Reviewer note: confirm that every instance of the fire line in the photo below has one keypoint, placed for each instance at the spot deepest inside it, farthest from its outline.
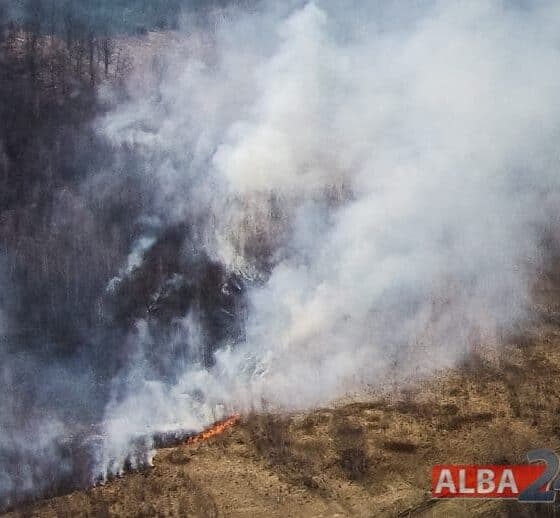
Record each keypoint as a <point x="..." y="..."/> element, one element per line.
<point x="216" y="429"/>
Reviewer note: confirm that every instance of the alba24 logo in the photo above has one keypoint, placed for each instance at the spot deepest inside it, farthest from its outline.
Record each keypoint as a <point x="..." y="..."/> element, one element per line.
<point x="535" y="482"/>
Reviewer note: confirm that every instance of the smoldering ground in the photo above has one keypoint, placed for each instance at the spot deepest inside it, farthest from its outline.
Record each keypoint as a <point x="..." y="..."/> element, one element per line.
<point x="286" y="204"/>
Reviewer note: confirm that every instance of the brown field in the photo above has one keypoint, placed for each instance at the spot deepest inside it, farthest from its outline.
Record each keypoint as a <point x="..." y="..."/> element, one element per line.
<point x="365" y="458"/>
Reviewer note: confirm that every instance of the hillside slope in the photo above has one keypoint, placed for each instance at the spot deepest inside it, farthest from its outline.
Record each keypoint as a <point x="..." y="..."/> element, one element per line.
<point x="370" y="457"/>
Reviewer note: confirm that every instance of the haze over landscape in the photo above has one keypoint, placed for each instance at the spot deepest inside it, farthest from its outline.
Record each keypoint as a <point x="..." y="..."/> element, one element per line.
<point x="219" y="208"/>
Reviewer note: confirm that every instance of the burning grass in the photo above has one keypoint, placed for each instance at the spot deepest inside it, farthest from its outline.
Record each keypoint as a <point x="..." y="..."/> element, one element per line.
<point x="216" y="429"/>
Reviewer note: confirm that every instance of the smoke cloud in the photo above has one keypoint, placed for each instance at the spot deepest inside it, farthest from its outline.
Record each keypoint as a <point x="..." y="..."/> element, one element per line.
<point x="325" y="198"/>
<point x="384" y="173"/>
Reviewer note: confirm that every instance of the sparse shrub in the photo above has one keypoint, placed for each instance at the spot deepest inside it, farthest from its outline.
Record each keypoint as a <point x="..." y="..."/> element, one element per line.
<point x="308" y="424"/>
<point x="297" y="462"/>
<point x="270" y="435"/>
<point x="354" y="462"/>
<point x="400" y="446"/>
<point x="352" y="454"/>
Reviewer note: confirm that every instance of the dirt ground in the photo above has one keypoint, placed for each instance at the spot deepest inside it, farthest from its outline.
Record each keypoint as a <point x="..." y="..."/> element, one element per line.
<point x="371" y="457"/>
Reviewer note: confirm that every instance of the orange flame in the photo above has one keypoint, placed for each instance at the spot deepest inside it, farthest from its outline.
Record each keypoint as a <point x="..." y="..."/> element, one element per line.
<point x="217" y="429"/>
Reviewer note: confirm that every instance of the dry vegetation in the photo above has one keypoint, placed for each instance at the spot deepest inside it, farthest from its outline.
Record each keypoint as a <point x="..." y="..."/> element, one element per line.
<point x="367" y="458"/>
<point x="370" y="457"/>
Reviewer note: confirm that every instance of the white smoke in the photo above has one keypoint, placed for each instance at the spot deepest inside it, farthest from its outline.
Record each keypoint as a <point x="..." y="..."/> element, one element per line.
<point x="383" y="170"/>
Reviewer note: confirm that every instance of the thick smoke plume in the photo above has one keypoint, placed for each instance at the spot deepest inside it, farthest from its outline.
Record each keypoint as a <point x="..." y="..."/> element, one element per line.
<point x="306" y="200"/>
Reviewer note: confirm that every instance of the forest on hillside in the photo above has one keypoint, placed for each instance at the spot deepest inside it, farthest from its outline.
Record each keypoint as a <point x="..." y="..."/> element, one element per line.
<point x="65" y="233"/>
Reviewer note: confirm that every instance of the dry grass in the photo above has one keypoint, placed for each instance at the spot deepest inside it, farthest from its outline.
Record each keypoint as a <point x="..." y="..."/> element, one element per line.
<point x="366" y="458"/>
<point x="362" y="459"/>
